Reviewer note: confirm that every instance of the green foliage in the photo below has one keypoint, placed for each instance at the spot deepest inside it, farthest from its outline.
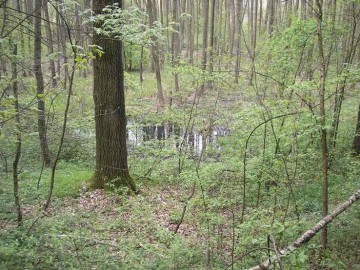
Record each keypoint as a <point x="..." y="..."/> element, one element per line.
<point x="133" y="57"/>
<point x="129" y="25"/>
<point x="279" y="167"/>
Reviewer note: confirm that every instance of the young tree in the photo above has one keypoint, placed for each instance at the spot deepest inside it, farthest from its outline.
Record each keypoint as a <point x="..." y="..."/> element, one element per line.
<point x="18" y="140"/>
<point x="323" y="133"/>
<point x="110" y="118"/>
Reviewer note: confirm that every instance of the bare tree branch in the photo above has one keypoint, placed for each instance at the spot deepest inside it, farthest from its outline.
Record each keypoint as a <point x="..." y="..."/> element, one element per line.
<point x="310" y="233"/>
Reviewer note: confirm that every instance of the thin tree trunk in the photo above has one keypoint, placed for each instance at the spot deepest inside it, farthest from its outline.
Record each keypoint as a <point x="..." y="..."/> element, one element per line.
<point x="50" y="44"/>
<point x="271" y="16"/>
<point x="253" y="39"/>
<point x="205" y="4"/>
<point x="155" y="55"/>
<point x="322" y="119"/>
<point x="40" y="86"/>
<point x="191" y="32"/>
<point x="212" y="37"/>
<point x="182" y="30"/>
<point x="232" y="19"/>
<point x="356" y="142"/>
<point x="22" y="32"/>
<point x="58" y="44"/>
<point x="349" y="55"/>
<point x="4" y="23"/>
<point x="18" y="141"/>
<point x="239" y="21"/>
<point x="175" y="50"/>
<point x="63" y="37"/>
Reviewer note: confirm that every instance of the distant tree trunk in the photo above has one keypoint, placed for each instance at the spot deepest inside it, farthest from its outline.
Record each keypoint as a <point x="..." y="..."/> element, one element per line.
<point x="260" y="15"/>
<point x="239" y="21"/>
<point x="225" y="32"/>
<point x="348" y="52"/>
<point x="50" y="44"/>
<point x="182" y="29"/>
<point x="205" y="5"/>
<point x="29" y="9"/>
<point x="219" y="33"/>
<point x="62" y="39"/>
<point x="197" y="24"/>
<point x="22" y="32"/>
<point x="303" y="9"/>
<point x="212" y="37"/>
<point x="4" y="22"/>
<point x="191" y="32"/>
<point x="253" y="37"/>
<point x="232" y="22"/>
<point x="18" y="141"/>
<point x="175" y="49"/>
<point x="58" y="44"/>
<point x="110" y="118"/>
<point x="151" y="7"/>
<point x="40" y="85"/>
<point x="271" y="18"/>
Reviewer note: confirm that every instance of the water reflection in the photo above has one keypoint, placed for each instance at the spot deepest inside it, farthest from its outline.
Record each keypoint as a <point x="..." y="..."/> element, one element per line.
<point x="173" y="135"/>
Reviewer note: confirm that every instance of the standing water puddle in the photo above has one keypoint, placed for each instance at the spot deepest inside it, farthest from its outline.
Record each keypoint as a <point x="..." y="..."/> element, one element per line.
<point x="172" y="135"/>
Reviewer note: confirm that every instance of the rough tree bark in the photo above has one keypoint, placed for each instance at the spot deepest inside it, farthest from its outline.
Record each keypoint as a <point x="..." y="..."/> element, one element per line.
<point x="110" y="118"/>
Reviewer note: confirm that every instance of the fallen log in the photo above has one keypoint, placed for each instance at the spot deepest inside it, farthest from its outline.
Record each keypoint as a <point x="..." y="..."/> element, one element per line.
<point x="308" y="234"/>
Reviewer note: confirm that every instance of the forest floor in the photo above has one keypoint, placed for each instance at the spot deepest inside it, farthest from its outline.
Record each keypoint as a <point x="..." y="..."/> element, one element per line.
<point x="97" y="229"/>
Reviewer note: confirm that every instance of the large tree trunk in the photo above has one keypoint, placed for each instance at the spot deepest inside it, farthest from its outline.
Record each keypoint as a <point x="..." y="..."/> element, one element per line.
<point x="110" y="118"/>
<point x="40" y="85"/>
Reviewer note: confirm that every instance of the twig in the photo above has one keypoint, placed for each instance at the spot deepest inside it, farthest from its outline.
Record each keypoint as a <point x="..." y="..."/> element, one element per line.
<point x="185" y="206"/>
<point x="277" y="253"/>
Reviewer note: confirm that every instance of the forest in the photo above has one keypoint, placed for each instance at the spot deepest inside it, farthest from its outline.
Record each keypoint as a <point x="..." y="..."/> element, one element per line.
<point x="180" y="134"/>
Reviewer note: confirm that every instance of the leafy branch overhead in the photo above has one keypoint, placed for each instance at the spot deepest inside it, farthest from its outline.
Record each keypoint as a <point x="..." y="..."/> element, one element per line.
<point x="130" y="25"/>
